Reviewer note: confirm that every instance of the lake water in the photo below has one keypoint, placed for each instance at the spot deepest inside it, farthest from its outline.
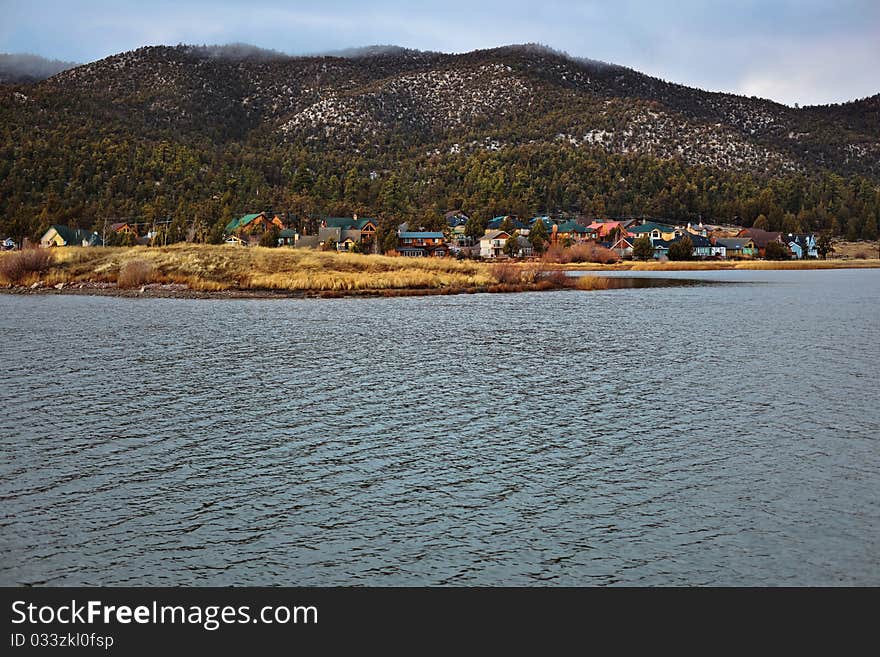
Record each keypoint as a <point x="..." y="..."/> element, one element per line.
<point x="722" y="434"/>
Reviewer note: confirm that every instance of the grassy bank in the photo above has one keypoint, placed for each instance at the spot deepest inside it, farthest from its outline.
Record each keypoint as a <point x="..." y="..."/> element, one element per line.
<point x="218" y="268"/>
<point x="207" y="269"/>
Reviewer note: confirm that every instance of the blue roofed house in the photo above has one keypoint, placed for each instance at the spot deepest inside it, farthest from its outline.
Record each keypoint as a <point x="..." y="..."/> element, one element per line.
<point x="661" y="248"/>
<point x="513" y="221"/>
<point x="736" y="247"/>
<point x="703" y="247"/>
<point x="456" y="218"/>
<point x="421" y="244"/>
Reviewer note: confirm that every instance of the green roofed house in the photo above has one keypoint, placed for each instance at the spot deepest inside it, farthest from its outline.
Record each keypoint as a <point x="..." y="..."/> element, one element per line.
<point x="287" y="237"/>
<point x="572" y="230"/>
<point x="58" y="235"/>
<point x="236" y="224"/>
<point x="655" y="231"/>
<point x="253" y="223"/>
<point x="361" y="230"/>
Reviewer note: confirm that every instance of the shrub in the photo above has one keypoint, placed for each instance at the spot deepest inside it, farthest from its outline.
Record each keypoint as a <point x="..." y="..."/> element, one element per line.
<point x="580" y="253"/>
<point x="683" y="249"/>
<point x="270" y="238"/>
<point x="583" y="252"/>
<point x="643" y="249"/>
<point x="777" y="251"/>
<point x="557" y="255"/>
<point x="134" y="273"/>
<point x="506" y="272"/>
<point x="15" y="268"/>
<point x="604" y="256"/>
<point x="557" y="279"/>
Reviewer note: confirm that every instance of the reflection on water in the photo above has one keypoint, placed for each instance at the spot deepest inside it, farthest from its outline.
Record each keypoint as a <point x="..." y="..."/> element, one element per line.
<point x="684" y="435"/>
<point x="635" y="281"/>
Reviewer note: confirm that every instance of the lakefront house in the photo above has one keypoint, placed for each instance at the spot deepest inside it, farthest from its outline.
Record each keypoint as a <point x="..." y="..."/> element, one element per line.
<point x="421" y="244"/>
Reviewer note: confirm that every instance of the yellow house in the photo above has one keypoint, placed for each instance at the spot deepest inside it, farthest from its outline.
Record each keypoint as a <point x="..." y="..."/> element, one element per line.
<point x="58" y="235"/>
<point x="655" y="231"/>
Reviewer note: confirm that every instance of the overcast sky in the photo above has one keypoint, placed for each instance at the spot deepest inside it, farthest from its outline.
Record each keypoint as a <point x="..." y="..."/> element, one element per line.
<point x="793" y="51"/>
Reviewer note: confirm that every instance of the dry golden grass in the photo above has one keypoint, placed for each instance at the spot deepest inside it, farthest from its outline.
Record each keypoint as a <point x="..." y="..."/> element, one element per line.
<point x="222" y="267"/>
<point x="134" y="273"/>
<point x="208" y="268"/>
<point x="594" y="283"/>
<point x="24" y="267"/>
<point x="862" y="250"/>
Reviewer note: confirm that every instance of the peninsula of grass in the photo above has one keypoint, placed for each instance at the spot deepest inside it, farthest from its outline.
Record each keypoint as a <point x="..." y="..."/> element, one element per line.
<point x="220" y="270"/>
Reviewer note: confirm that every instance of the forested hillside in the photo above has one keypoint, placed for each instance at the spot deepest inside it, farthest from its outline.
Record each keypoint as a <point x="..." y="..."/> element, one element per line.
<point x="200" y="135"/>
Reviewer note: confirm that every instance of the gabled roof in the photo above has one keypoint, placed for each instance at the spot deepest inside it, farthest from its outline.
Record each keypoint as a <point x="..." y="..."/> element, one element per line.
<point x="495" y="234"/>
<point x="348" y="222"/>
<point x="573" y="227"/>
<point x="696" y="240"/>
<point x="235" y="224"/>
<point x="761" y="238"/>
<point x="76" y="236"/>
<point x="456" y="218"/>
<point x="651" y="225"/>
<point x="735" y="243"/>
<point x="421" y="235"/>
<point x="802" y="241"/>
<point x="603" y="228"/>
<point x="495" y="222"/>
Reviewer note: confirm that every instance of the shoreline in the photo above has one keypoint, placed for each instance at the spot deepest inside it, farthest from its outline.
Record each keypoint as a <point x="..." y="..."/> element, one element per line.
<point x="164" y="291"/>
<point x="184" y="291"/>
<point x="723" y="265"/>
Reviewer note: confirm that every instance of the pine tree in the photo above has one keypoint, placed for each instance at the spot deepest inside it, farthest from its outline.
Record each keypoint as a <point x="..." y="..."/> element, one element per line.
<point x="538" y="236"/>
<point x="643" y="249"/>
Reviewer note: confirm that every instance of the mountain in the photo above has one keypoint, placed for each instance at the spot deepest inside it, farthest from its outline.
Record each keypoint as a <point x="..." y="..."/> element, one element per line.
<point x="209" y="132"/>
<point x="22" y="68"/>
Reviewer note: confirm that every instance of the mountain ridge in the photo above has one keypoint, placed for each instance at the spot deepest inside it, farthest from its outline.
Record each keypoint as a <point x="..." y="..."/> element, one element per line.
<point x="442" y="112"/>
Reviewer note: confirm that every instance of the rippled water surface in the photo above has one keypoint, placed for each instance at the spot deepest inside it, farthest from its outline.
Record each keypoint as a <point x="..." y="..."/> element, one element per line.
<point x="684" y="435"/>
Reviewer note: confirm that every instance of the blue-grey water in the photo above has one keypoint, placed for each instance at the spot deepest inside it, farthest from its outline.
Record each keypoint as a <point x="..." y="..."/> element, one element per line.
<point x="685" y="435"/>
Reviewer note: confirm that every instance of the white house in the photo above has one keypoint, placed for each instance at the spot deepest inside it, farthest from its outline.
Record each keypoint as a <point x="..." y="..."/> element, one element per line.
<point x="492" y="243"/>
